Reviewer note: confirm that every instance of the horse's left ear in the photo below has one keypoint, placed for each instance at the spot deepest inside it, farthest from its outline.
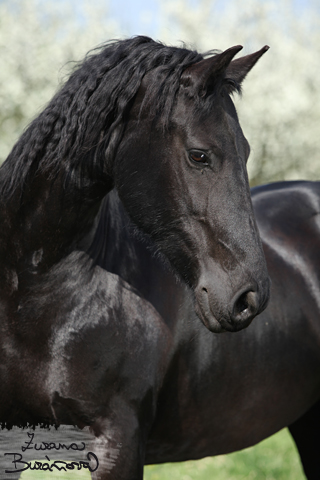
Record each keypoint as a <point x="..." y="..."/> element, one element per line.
<point x="238" y="69"/>
<point x="198" y="77"/>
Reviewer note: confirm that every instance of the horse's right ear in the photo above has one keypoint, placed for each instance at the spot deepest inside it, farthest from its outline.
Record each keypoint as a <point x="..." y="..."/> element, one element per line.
<point x="238" y="69"/>
<point x="199" y="76"/>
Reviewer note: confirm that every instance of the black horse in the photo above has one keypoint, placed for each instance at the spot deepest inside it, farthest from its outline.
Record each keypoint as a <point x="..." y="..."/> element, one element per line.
<point x="158" y="125"/>
<point x="160" y="387"/>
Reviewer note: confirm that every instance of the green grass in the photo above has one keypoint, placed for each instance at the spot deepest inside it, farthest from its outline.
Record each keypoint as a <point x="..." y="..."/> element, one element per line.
<point x="273" y="459"/>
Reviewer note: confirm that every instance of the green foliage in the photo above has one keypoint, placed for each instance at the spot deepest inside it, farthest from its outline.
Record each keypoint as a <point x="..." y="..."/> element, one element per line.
<point x="273" y="459"/>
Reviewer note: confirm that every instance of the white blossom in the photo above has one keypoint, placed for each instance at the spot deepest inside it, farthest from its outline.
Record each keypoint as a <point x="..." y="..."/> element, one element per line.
<point x="37" y="40"/>
<point x="280" y="108"/>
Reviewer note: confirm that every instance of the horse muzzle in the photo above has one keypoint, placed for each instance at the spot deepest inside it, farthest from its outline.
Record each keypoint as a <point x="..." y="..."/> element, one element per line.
<point x="221" y="313"/>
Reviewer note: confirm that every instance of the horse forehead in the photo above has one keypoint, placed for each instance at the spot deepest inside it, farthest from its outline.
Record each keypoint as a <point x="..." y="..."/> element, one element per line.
<point x="206" y="114"/>
<point x="215" y="125"/>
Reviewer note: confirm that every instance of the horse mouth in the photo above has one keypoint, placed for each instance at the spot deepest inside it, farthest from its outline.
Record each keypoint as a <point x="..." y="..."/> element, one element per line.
<point x="203" y="311"/>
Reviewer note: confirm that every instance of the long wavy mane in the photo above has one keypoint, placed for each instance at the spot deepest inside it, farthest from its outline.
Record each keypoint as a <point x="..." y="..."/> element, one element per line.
<point x="83" y="124"/>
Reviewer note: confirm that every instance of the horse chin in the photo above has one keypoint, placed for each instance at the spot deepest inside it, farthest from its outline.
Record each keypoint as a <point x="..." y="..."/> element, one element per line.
<point x="209" y="321"/>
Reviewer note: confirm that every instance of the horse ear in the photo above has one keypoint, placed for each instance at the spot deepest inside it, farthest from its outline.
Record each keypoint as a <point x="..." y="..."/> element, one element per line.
<point x="238" y="69"/>
<point x="200" y="75"/>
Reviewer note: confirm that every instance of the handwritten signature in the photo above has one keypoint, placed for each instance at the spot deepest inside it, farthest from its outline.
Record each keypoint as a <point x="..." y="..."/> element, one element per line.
<point x="20" y="465"/>
<point x="50" y="445"/>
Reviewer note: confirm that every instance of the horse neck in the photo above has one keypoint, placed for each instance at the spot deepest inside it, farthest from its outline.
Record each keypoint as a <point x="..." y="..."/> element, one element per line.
<point x="44" y="220"/>
<point x="120" y="248"/>
<point x="114" y="246"/>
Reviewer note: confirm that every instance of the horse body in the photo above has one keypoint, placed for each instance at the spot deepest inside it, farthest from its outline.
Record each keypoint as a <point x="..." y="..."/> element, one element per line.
<point x="82" y="365"/>
<point x="96" y="328"/>
<point x="222" y="393"/>
<point x="159" y="388"/>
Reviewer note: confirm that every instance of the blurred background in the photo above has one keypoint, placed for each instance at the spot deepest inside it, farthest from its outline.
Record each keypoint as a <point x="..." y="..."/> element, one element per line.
<point x="279" y="111"/>
<point x="280" y="107"/>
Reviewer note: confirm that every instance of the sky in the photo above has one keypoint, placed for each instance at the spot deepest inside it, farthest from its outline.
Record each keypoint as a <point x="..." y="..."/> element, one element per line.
<point x="136" y="16"/>
<point x="141" y="16"/>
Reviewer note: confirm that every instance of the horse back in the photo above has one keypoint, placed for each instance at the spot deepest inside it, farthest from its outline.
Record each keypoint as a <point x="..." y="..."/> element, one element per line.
<point x="288" y="211"/>
<point x="287" y="214"/>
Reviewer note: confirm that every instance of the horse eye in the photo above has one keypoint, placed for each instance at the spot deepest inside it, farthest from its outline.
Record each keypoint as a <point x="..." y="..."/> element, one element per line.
<point x="198" y="157"/>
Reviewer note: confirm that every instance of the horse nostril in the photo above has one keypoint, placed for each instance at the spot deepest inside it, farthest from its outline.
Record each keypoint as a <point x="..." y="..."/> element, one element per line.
<point x="204" y="289"/>
<point x="246" y="306"/>
<point x="242" y="303"/>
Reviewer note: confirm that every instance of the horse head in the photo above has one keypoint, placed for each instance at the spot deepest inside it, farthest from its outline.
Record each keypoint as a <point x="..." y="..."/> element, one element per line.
<point x="181" y="174"/>
<point x="158" y="123"/>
